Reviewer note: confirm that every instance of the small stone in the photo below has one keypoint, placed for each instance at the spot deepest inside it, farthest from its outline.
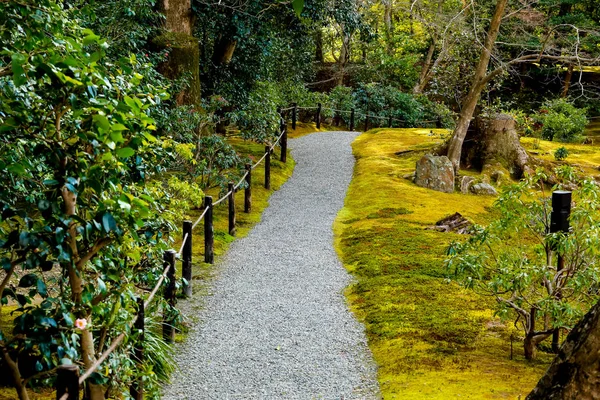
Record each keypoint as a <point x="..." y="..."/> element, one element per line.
<point x="484" y="189"/>
<point x="465" y="183"/>
<point x="435" y="172"/>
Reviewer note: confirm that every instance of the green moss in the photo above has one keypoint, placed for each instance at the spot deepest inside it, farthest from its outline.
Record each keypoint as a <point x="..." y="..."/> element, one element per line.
<point x="431" y="339"/>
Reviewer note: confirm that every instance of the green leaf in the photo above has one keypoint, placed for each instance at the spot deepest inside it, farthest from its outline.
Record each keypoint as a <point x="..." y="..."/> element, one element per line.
<point x="108" y="222"/>
<point x="28" y="280"/>
<point x="101" y="121"/>
<point x="68" y="319"/>
<point x="298" y="6"/>
<point x="16" y="169"/>
<point x="125" y="152"/>
<point x="41" y="288"/>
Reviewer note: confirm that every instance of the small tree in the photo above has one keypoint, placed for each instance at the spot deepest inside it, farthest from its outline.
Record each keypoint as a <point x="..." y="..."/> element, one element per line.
<point x="76" y="149"/>
<point x="513" y="260"/>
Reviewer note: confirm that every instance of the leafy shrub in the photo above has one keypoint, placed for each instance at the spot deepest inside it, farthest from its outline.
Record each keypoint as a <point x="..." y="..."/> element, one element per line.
<point x="438" y="112"/>
<point x="258" y="119"/>
<point x="561" y="153"/>
<point x="340" y="98"/>
<point x="562" y="121"/>
<point x="385" y="101"/>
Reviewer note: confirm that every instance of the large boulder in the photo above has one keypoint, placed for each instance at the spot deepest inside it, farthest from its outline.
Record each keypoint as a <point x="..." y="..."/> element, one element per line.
<point x="435" y="172"/>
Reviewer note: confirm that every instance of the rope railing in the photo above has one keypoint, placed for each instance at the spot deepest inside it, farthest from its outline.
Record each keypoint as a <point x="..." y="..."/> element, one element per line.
<point x="68" y="381"/>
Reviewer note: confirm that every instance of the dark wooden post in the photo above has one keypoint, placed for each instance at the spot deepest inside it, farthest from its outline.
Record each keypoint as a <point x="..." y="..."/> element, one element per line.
<point x="294" y="115"/>
<point x="318" y="116"/>
<point x="67" y="381"/>
<point x="390" y="122"/>
<point x="209" y="239"/>
<point x="559" y="222"/>
<point x="186" y="259"/>
<point x="367" y="121"/>
<point x="231" y="209"/>
<point x="352" y="119"/>
<point x="137" y="386"/>
<point x="248" y="190"/>
<point x="283" y="141"/>
<point x="168" y="321"/>
<point x="267" y="168"/>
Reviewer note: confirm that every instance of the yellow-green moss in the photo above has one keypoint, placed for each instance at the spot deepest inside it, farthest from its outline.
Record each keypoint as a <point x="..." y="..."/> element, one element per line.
<point x="430" y="338"/>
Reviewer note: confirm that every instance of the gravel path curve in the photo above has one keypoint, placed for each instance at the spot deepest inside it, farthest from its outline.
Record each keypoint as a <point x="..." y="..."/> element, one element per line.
<point x="276" y="325"/>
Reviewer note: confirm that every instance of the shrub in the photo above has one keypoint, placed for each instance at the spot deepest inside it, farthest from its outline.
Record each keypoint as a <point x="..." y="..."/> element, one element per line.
<point x="562" y="121"/>
<point x="561" y="153"/>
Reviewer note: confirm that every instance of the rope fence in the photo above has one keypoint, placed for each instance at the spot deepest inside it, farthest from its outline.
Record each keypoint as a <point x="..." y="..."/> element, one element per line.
<point x="68" y="381"/>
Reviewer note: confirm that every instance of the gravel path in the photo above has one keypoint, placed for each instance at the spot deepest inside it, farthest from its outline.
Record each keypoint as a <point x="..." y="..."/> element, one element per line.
<point x="276" y="325"/>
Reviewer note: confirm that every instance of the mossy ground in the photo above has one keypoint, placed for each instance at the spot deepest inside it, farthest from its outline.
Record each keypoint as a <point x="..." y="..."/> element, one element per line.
<point x="430" y="338"/>
<point x="585" y="157"/>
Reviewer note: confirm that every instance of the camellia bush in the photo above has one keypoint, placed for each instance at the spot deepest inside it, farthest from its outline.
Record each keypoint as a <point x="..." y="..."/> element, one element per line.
<point x="514" y="259"/>
<point x="80" y="233"/>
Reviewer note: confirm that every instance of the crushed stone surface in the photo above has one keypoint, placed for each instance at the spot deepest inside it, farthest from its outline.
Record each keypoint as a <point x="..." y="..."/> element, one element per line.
<point x="276" y="324"/>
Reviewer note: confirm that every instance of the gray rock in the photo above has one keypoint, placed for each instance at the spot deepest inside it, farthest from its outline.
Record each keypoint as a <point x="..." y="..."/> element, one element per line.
<point x="435" y="172"/>
<point x="465" y="183"/>
<point x="484" y="189"/>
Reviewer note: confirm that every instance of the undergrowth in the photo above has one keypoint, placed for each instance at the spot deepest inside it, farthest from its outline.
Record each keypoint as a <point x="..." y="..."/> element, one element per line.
<point x="431" y="339"/>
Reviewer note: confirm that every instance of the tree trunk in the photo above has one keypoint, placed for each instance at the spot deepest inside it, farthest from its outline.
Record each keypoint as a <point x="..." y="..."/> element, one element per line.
<point x="319" y="46"/>
<point x="575" y="372"/>
<point x="178" y="15"/>
<point x="424" y="75"/>
<point x="389" y="28"/>
<point x="181" y="49"/>
<point x="501" y="147"/>
<point x="477" y="85"/>
<point x="16" y="375"/>
<point x="343" y="60"/>
<point x="568" y="78"/>
<point x="223" y="51"/>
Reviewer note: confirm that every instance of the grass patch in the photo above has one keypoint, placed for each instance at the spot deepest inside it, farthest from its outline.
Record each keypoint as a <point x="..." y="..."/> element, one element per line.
<point x="430" y="338"/>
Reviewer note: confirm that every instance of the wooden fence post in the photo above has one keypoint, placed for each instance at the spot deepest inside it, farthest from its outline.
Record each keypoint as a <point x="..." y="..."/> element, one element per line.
<point x="169" y="294"/>
<point x="559" y="222"/>
<point x="283" y="141"/>
<point x="267" y="168"/>
<point x="294" y="115"/>
<point x="231" y="209"/>
<point x="352" y="119"/>
<point x="367" y="121"/>
<point x="390" y="122"/>
<point x="209" y="239"/>
<point x="67" y="381"/>
<point x="248" y="190"/>
<point x="186" y="259"/>
<point x="318" y="116"/>
<point x="136" y="389"/>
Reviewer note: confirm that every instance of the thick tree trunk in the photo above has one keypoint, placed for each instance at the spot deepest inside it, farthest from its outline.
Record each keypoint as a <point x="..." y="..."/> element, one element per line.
<point x="575" y="372"/>
<point x="181" y="48"/>
<point x="501" y="147"/>
<point x="178" y="15"/>
<point x="477" y="85"/>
